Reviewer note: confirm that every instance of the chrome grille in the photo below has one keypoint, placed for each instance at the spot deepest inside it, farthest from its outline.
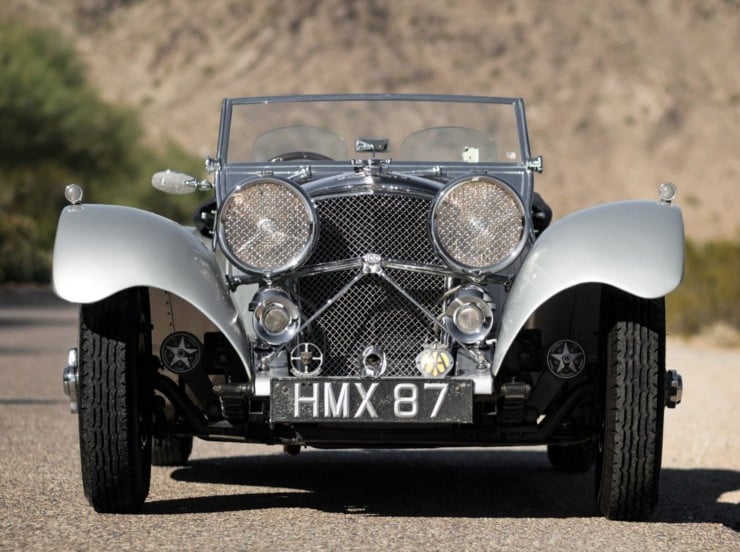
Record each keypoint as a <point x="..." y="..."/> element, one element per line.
<point x="372" y="312"/>
<point x="392" y="225"/>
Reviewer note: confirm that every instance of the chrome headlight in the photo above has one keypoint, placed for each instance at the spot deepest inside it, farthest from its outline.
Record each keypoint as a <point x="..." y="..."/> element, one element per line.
<point x="478" y="224"/>
<point x="267" y="225"/>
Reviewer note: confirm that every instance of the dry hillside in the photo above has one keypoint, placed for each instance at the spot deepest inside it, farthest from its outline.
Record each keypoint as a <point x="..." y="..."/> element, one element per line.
<point x="620" y="95"/>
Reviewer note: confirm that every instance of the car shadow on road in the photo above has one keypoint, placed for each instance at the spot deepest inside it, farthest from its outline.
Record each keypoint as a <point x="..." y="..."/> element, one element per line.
<point x="434" y="483"/>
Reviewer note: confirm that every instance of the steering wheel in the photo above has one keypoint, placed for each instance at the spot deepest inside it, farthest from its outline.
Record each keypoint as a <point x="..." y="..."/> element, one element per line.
<point x="297" y="155"/>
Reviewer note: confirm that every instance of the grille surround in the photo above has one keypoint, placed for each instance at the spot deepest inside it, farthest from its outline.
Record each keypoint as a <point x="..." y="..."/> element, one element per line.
<point x="372" y="312"/>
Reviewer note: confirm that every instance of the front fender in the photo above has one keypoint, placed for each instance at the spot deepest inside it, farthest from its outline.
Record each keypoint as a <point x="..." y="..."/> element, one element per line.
<point x="103" y="249"/>
<point x="636" y="246"/>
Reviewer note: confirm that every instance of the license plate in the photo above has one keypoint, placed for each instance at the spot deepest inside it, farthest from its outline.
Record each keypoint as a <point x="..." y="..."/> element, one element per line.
<point x="385" y="400"/>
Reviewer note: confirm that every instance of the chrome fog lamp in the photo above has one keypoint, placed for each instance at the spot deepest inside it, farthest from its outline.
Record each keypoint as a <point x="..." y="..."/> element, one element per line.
<point x="267" y="225"/>
<point x="276" y="317"/>
<point x="469" y="316"/>
<point x="478" y="224"/>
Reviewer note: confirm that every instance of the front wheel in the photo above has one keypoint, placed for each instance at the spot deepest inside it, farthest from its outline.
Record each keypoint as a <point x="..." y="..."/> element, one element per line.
<point x="115" y="400"/>
<point x="631" y="441"/>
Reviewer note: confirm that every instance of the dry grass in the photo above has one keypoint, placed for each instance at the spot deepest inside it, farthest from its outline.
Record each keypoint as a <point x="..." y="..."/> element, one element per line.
<point x="708" y="301"/>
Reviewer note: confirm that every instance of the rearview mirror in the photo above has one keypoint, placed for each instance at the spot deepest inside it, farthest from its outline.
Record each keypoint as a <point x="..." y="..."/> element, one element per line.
<point x="173" y="182"/>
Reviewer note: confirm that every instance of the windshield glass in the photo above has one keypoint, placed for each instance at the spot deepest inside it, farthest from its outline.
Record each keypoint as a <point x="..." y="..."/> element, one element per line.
<point x="439" y="129"/>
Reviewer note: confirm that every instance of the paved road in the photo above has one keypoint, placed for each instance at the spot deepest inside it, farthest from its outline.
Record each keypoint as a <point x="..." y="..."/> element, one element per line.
<point x="254" y="497"/>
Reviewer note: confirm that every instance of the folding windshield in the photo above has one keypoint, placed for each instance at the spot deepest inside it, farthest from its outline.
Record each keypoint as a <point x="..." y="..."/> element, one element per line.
<point x="438" y="129"/>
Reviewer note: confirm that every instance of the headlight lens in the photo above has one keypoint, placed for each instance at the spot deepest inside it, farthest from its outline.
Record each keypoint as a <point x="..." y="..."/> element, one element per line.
<point x="267" y="225"/>
<point x="478" y="224"/>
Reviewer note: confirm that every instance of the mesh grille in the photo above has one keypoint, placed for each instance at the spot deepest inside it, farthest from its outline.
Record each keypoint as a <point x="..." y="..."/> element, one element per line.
<point x="372" y="312"/>
<point x="390" y="225"/>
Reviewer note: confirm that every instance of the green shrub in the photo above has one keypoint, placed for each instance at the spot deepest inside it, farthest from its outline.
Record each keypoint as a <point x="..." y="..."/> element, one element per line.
<point x="55" y="130"/>
<point x="710" y="292"/>
<point x="23" y="256"/>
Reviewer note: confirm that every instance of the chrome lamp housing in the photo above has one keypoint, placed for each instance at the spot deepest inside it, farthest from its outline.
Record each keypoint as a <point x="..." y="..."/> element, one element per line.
<point x="469" y="315"/>
<point x="267" y="225"/>
<point x="276" y="317"/>
<point x="478" y="224"/>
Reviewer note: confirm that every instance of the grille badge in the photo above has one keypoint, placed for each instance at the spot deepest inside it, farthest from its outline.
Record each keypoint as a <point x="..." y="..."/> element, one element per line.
<point x="306" y="360"/>
<point x="434" y="361"/>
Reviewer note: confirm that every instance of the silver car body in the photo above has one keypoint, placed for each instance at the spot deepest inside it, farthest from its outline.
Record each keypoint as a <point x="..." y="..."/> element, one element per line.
<point x="102" y="249"/>
<point x="372" y="271"/>
<point x="633" y="246"/>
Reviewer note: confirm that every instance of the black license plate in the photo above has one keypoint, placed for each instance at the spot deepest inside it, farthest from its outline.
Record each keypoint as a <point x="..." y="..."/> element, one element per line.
<point x="367" y="400"/>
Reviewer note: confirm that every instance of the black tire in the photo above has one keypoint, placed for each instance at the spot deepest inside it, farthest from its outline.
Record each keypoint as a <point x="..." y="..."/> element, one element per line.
<point x="630" y="445"/>
<point x="115" y="401"/>
<point x="572" y="458"/>
<point x="171" y="451"/>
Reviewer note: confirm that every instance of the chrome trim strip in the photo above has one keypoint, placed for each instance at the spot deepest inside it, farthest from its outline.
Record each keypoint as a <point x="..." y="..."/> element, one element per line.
<point x="354" y="264"/>
<point x="434" y="270"/>
<point x="350" y="264"/>
<point x="353" y="183"/>
<point x="377" y="97"/>
<point x="324" y="268"/>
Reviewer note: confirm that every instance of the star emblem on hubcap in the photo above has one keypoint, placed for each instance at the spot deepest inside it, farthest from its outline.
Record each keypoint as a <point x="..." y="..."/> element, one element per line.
<point x="566" y="358"/>
<point x="180" y="352"/>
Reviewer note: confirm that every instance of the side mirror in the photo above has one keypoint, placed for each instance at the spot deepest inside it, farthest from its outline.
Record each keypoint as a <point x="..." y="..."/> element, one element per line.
<point x="173" y="182"/>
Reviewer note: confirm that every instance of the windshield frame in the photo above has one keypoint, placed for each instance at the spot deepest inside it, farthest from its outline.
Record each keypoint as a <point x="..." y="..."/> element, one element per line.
<point x="516" y="103"/>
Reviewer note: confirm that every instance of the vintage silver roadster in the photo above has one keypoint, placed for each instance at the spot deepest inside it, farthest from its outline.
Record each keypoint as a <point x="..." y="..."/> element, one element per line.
<point x="371" y="271"/>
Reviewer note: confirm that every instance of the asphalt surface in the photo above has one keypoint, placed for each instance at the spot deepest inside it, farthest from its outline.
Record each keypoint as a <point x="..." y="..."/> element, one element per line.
<point x="238" y="497"/>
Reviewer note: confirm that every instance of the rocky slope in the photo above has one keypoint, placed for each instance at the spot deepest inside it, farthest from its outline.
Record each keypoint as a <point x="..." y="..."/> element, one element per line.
<point x="620" y="95"/>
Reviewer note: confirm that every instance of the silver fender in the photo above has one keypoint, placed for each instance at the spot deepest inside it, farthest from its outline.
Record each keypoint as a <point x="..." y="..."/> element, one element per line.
<point x="103" y="249"/>
<point x="636" y="246"/>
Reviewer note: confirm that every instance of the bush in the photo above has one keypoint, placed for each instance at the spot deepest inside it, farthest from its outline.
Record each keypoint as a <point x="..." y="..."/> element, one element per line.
<point x="56" y="130"/>
<point x="23" y="257"/>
